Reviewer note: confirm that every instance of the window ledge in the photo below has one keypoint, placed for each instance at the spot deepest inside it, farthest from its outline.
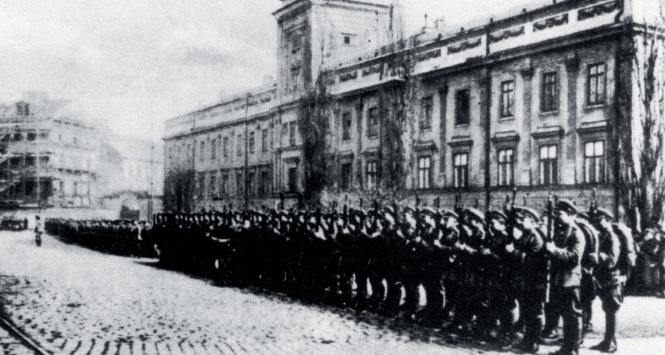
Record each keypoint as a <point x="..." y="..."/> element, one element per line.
<point x="462" y="125"/>
<point x="549" y="113"/>
<point x="506" y="118"/>
<point x="591" y="107"/>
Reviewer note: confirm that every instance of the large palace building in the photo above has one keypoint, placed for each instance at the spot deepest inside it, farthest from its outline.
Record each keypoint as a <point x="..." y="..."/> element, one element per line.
<point x="532" y="101"/>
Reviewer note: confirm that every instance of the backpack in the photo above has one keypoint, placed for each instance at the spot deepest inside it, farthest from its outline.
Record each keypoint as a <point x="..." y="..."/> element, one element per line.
<point x="628" y="254"/>
<point x="590" y="257"/>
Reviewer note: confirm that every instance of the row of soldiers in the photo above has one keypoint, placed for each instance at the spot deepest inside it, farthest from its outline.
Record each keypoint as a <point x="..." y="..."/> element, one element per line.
<point x="478" y="270"/>
<point x="13" y="223"/>
<point x="122" y="237"/>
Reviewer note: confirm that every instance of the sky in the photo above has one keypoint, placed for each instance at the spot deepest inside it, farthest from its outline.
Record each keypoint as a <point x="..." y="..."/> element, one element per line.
<point x="133" y="64"/>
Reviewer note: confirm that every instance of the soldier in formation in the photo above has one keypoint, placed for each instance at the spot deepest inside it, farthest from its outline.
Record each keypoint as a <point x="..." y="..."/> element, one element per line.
<point x="475" y="268"/>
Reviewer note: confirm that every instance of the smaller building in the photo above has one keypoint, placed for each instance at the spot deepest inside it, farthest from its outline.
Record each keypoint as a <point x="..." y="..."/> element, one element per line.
<point x="48" y="153"/>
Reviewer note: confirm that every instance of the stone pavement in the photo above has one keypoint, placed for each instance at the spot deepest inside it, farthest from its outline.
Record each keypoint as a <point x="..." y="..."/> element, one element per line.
<point x="10" y="345"/>
<point x="74" y="301"/>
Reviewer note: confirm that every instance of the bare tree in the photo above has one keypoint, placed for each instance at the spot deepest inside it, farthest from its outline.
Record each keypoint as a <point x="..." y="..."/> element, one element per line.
<point x="640" y="128"/>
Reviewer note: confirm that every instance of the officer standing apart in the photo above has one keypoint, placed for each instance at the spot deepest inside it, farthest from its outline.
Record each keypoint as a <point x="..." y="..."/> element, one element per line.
<point x="609" y="278"/>
<point x="566" y="251"/>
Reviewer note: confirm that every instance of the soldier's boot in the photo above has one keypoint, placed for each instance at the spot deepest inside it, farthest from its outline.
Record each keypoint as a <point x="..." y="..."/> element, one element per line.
<point x="411" y="301"/>
<point x="378" y="293"/>
<point x="393" y="298"/>
<point x="587" y="311"/>
<point x="609" y="343"/>
<point x="362" y="294"/>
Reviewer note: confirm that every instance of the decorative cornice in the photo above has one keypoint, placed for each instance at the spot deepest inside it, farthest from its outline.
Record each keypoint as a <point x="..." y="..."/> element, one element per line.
<point x="472" y="43"/>
<point x="425" y="146"/>
<point x="461" y="141"/>
<point x="598" y="10"/>
<point x="351" y="75"/>
<point x="346" y="155"/>
<point x="422" y="57"/>
<point x="506" y="137"/>
<point x="372" y="69"/>
<point x="371" y="152"/>
<point x="550" y="22"/>
<point x="592" y="127"/>
<point x="503" y="35"/>
<point x="548" y="132"/>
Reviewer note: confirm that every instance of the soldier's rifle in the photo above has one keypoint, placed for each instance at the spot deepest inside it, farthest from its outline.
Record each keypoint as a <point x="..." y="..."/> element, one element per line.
<point x="550" y="238"/>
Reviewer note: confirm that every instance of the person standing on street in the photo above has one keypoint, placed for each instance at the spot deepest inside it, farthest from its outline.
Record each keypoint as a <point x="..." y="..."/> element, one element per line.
<point x="609" y="278"/>
<point x="39" y="229"/>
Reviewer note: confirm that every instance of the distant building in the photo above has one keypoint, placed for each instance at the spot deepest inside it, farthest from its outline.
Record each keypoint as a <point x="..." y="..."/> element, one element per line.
<point x="48" y="154"/>
<point x="131" y="164"/>
<point x="533" y="100"/>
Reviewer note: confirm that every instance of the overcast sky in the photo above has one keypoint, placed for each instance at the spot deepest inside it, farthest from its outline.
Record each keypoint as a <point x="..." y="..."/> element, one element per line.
<point x="136" y="63"/>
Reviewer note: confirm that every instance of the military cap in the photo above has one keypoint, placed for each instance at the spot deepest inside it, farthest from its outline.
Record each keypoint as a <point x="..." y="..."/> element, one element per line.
<point x="389" y="210"/>
<point x="473" y="213"/>
<point x="566" y="206"/>
<point x="524" y="212"/>
<point x="601" y="212"/>
<point x="496" y="214"/>
<point x="584" y="216"/>
<point x="449" y="213"/>
<point x="428" y="211"/>
<point x="408" y="210"/>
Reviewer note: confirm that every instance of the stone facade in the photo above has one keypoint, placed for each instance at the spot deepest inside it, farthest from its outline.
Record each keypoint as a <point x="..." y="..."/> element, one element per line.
<point x="527" y="102"/>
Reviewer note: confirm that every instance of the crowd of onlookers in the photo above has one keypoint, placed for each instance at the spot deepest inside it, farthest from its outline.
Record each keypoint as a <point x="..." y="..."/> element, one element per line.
<point x="649" y="275"/>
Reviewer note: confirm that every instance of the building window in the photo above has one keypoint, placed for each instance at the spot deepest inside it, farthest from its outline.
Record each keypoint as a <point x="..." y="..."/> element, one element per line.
<point x="424" y="172"/>
<point x="225" y="147"/>
<point x="506" y="167"/>
<point x="372" y="175"/>
<point x="426" y="118"/>
<point x="594" y="162"/>
<point x="213" y="149"/>
<point x="224" y="184"/>
<point x="292" y="179"/>
<point x="461" y="170"/>
<point x="346" y="126"/>
<point x="373" y="122"/>
<point x="596" y="84"/>
<point x="263" y="183"/>
<point x="462" y="107"/>
<point x="213" y="183"/>
<point x="239" y="145"/>
<point x="507" y="98"/>
<point x="549" y="165"/>
<point x="292" y="133"/>
<point x="251" y="143"/>
<point x="202" y="185"/>
<point x="345" y="178"/>
<point x="550" y="92"/>
<point x="250" y="183"/>
<point x="239" y="184"/>
<point x="264" y="140"/>
<point x="202" y="151"/>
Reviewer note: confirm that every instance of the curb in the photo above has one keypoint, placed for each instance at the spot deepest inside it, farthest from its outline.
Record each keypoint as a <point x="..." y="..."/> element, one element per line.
<point x="27" y="341"/>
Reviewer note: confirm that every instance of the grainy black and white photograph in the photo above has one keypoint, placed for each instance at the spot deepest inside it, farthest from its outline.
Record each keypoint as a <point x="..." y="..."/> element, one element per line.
<point x="267" y="177"/>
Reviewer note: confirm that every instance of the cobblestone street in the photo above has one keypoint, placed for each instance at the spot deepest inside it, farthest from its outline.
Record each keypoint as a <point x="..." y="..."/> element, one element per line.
<point x="74" y="301"/>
